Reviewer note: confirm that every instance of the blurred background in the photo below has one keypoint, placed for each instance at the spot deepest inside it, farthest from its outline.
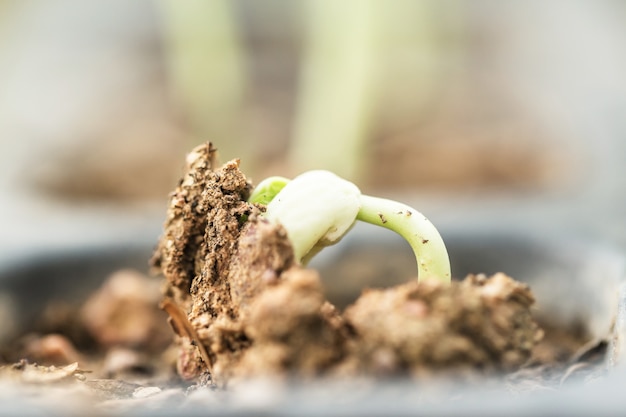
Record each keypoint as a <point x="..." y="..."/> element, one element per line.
<point x="470" y="111"/>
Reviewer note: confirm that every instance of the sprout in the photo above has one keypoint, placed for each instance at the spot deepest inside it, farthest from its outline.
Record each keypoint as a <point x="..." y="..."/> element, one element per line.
<point x="425" y="240"/>
<point x="267" y="190"/>
<point x="318" y="208"/>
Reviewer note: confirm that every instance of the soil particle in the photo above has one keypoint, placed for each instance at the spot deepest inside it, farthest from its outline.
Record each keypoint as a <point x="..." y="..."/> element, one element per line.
<point x="124" y="312"/>
<point x="217" y="254"/>
<point x="119" y="362"/>
<point x="293" y="329"/>
<point x="52" y="349"/>
<point x="480" y="322"/>
<point x="204" y="217"/>
<point x="33" y="373"/>
<point x="263" y="254"/>
<point x="257" y="312"/>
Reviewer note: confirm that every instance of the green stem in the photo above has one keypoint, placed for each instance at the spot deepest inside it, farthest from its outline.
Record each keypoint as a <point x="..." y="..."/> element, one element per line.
<point x="340" y="55"/>
<point x="321" y="208"/>
<point x="425" y="240"/>
<point x="206" y="69"/>
<point x="267" y="190"/>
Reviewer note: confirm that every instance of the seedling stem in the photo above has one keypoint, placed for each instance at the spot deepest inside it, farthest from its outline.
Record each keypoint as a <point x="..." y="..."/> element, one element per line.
<point x="317" y="208"/>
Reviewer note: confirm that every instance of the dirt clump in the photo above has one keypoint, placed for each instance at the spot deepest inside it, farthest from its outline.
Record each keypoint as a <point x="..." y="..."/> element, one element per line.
<point x="123" y="313"/>
<point x="241" y="305"/>
<point x="117" y="328"/>
<point x="480" y="322"/>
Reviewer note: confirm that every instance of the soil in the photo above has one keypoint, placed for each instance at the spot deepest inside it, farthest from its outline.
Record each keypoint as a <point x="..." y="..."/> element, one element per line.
<point x="241" y="307"/>
<point x="256" y="311"/>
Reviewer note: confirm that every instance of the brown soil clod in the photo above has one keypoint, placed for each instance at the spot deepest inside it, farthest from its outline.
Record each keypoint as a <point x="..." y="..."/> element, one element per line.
<point x="254" y="310"/>
<point x="480" y="322"/>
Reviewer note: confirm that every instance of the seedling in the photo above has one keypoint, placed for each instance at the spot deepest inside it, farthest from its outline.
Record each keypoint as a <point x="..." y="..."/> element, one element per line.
<point x="318" y="208"/>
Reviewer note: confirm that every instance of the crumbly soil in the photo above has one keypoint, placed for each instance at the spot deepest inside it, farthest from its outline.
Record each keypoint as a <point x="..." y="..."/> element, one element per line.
<point x="256" y="311"/>
<point x="240" y="306"/>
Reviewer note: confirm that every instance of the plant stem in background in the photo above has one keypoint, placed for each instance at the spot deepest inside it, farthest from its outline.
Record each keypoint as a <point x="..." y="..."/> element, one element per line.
<point x="337" y="85"/>
<point x="205" y="63"/>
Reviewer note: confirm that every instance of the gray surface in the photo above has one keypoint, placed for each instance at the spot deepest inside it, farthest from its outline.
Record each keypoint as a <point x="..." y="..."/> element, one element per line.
<point x="573" y="280"/>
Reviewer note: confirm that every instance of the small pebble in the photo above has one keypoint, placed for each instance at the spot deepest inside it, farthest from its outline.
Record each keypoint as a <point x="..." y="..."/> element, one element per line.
<point x="145" y="392"/>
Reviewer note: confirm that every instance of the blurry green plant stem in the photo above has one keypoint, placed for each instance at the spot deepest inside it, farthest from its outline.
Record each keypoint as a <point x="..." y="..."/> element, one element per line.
<point x="365" y="64"/>
<point x="354" y="57"/>
<point x="205" y="61"/>
<point x="317" y="208"/>
<point x="338" y="68"/>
